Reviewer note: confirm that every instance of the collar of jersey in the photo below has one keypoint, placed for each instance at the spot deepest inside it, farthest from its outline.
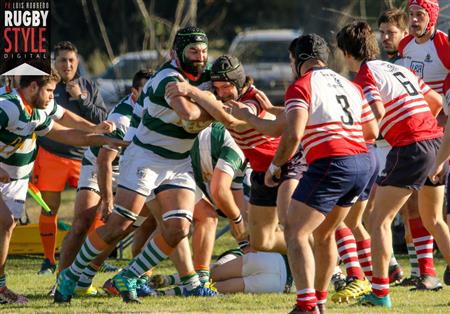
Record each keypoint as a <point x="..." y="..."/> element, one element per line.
<point x="26" y="105"/>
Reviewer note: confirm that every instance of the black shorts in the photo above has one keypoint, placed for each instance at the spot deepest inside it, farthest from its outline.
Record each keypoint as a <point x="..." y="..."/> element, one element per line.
<point x="262" y="195"/>
<point x="409" y="166"/>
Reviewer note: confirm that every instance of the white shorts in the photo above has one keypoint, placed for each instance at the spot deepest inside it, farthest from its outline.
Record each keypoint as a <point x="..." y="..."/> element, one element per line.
<point x="147" y="173"/>
<point x="14" y="195"/>
<point x="381" y="152"/>
<point x="264" y="272"/>
<point x="88" y="178"/>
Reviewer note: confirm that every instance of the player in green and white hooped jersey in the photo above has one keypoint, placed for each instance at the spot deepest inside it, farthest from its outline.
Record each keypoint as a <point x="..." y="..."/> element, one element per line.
<point x="157" y="163"/>
<point x="98" y="175"/>
<point x="21" y="120"/>
<point x="218" y="165"/>
<point x="64" y="117"/>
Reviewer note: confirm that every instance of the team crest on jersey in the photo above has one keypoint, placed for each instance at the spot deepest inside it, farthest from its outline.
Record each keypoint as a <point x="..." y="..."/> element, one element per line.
<point x="428" y="58"/>
<point x="417" y="67"/>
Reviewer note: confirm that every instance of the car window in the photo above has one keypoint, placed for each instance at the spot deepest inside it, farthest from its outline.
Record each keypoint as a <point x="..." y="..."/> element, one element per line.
<point x="125" y="69"/>
<point x="262" y="51"/>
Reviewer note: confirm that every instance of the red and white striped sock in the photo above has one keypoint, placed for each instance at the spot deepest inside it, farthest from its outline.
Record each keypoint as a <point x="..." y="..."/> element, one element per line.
<point x="321" y="296"/>
<point x="306" y="299"/>
<point x="380" y="286"/>
<point x="423" y="243"/>
<point x="365" y="257"/>
<point x="346" y="245"/>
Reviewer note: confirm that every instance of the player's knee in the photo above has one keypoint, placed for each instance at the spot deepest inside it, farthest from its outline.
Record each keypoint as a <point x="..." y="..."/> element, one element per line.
<point x="176" y="225"/>
<point x="261" y="243"/>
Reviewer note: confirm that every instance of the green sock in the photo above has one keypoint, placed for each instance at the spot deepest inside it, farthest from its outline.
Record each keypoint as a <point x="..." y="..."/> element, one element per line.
<point x="203" y="275"/>
<point x="190" y="282"/>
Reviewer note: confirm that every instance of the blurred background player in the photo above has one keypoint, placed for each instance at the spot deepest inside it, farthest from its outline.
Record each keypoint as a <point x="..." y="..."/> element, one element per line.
<point x="56" y="163"/>
<point x="425" y="52"/>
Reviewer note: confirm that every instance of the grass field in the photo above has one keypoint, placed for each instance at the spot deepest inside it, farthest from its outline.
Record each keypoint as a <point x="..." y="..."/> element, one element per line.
<point x="21" y="272"/>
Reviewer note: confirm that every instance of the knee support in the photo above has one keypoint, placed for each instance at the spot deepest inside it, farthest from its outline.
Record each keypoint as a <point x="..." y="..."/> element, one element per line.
<point x="178" y="214"/>
<point x="125" y="213"/>
<point x="139" y="221"/>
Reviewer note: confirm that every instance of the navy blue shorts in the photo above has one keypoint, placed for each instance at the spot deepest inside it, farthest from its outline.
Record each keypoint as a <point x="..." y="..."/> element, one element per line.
<point x="409" y="166"/>
<point x="334" y="181"/>
<point x="374" y="169"/>
<point x="262" y="195"/>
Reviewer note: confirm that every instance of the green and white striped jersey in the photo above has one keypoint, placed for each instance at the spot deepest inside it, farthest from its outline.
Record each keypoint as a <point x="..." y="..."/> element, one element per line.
<point x="19" y="125"/>
<point x="160" y="129"/>
<point x="215" y="147"/>
<point x="121" y="116"/>
<point x="53" y="109"/>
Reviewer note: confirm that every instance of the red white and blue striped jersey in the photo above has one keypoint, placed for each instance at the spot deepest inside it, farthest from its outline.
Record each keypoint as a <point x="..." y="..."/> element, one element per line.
<point x="258" y="148"/>
<point x="407" y="117"/>
<point x="336" y="111"/>
<point x="430" y="60"/>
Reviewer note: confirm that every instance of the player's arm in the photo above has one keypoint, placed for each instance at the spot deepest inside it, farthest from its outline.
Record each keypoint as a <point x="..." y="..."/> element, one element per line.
<point x="434" y="101"/>
<point x="72" y="120"/>
<point x="268" y="127"/>
<point x="76" y="137"/>
<point x="266" y="104"/>
<point x="223" y="198"/>
<point x="368" y="122"/>
<point x="378" y="110"/>
<point x="105" y="159"/>
<point x="290" y="141"/>
<point x="187" y="109"/>
<point x="211" y="105"/>
<point x="370" y="130"/>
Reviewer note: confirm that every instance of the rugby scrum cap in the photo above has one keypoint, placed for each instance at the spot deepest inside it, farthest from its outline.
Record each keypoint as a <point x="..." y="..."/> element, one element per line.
<point x="188" y="36"/>
<point x="432" y="8"/>
<point x="228" y="68"/>
<point x="310" y="46"/>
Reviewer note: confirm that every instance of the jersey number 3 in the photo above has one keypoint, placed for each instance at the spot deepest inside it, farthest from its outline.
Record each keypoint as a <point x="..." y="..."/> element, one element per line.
<point x="342" y="100"/>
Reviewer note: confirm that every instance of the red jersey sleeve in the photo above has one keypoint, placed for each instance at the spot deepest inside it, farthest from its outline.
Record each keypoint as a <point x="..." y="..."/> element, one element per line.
<point x="403" y="44"/>
<point x="366" y="81"/>
<point x="298" y="95"/>
<point x="443" y="48"/>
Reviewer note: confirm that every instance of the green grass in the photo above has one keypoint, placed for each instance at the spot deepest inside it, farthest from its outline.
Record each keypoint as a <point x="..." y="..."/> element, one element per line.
<point x="21" y="272"/>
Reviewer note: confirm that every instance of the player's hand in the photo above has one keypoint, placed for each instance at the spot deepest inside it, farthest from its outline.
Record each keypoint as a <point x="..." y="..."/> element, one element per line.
<point x="105" y="127"/>
<point x="114" y="143"/>
<point x="272" y="176"/>
<point x="237" y="110"/>
<point x="238" y="230"/>
<point x="74" y="89"/>
<point x="174" y="89"/>
<point x="106" y="208"/>
<point x="263" y="100"/>
<point x="437" y="173"/>
<point x="4" y="176"/>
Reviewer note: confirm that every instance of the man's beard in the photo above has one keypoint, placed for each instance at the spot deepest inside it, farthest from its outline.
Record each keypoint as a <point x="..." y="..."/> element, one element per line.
<point x="193" y="67"/>
<point x="38" y="102"/>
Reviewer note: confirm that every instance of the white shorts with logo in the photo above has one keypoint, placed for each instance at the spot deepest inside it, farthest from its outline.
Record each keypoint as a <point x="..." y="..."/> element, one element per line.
<point x="264" y="272"/>
<point x="143" y="171"/>
<point x="14" y="195"/>
<point x="88" y="178"/>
